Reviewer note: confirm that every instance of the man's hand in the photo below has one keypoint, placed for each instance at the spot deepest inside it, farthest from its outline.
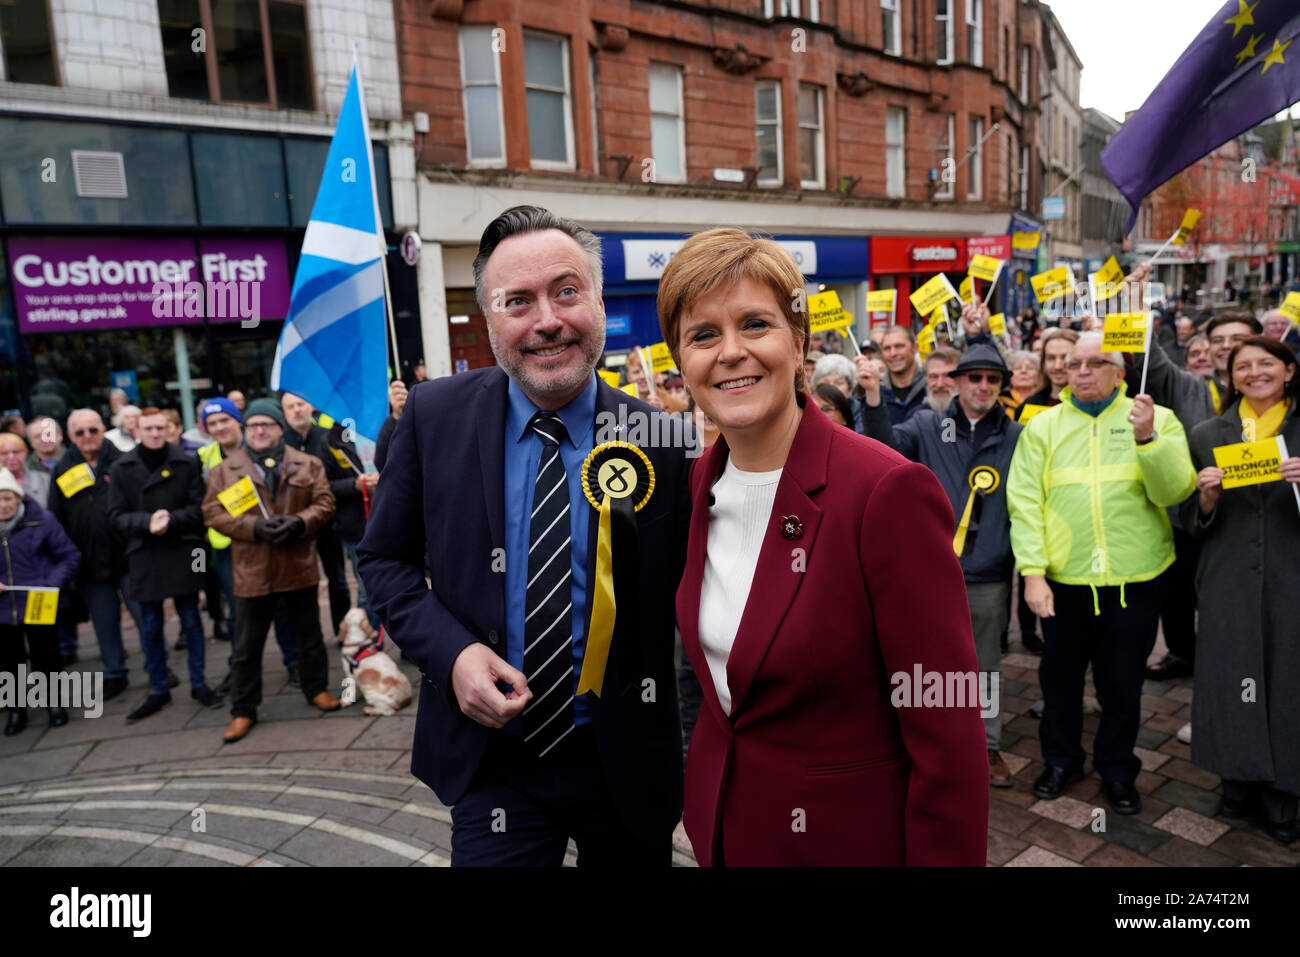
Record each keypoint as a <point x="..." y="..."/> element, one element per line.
<point x="159" y="521"/>
<point x="397" y="397"/>
<point x="366" y="482"/>
<point x="1143" y="417"/>
<point x="657" y="402"/>
<point x="869" y="379"/>
<point x="1290" y="469"/>
<point x="263" y="527"/>
<point x="474" y="679"/>
<point x="1209" y="483"/>
<point x="287" y="529"/>
<point x="1038" y="596"/>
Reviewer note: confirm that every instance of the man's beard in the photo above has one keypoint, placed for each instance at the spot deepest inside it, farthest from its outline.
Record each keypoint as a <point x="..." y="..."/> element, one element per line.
<point x="939" y="402"/>
<point x="512" y="362"/>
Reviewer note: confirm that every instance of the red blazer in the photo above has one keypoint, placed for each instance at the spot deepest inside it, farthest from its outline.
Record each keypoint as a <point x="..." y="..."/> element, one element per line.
<point x="815" y="766"/>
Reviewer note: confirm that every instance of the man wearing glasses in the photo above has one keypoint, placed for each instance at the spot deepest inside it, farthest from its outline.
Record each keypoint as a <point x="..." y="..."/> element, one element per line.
<point x="79" y="500"/>
<point x="1090" y="480"/>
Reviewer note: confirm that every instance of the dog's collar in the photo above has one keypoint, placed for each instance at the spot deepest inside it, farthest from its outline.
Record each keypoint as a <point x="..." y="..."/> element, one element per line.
<point x="372" y="646"/>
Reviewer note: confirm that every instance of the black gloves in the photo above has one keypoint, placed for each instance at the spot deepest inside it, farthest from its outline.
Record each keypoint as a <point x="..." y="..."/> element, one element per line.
<point x="279" y="529"/>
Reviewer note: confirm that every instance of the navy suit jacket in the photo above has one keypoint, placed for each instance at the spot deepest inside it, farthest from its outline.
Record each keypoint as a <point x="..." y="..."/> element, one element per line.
<point x="440" y="507"/>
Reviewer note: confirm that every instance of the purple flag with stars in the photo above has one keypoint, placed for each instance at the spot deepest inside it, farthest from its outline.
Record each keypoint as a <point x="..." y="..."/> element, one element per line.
<point x="1239" y="71"/>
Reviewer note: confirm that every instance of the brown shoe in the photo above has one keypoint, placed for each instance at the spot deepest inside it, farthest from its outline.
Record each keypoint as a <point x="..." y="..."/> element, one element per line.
<point x="237" y="729"/>
<point x="999" y="773"/>
<point x="326" y="702"/>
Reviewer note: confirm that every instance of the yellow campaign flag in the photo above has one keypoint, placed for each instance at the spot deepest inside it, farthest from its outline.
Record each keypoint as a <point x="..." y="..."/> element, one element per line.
<point x="933" y="294"/>
<point x="1024" y="240"/>
<point x="1110" y="272"/>
<point x="965" y="291"/>
<point x="42" y="606"/>
<point x="925" y="341"/>
<point x="1029" y="411"/>
<point x="1053" y="284"/>
<point x="1291" y="306"/>
<point x="661" y="358"/>
<point x="825" y="312"/>
<point x="240" y="497"/>
<point x="1190" y="219"/>
<point x="998" y="324"/>
<point x="75" y="479"/>
<point x="630" y="389"/>
<point x="611" y="378"/>
<point x="881" y="300"/>
<point x="1124" y="332"/>
<point x="343" y="461"/>
<point x="985" y="268"/>
<point x="1102" y="290"/>
<point x="1249" y="463"/>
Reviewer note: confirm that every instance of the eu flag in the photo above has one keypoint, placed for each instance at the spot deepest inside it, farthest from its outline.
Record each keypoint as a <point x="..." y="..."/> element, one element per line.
<point x="333" y="350"/>
<point x="1239" y="71"/>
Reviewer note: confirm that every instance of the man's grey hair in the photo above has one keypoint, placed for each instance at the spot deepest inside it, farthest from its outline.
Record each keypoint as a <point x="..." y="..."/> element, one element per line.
<point x="76" y="412"/>
<point x="1023" y="355"/>
<point x="834" y="365"/>
<point x="519" y="220"/>
<point x="1114" y="358"/>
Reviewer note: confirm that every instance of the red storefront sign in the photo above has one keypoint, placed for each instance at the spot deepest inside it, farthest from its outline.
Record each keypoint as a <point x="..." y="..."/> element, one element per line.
<point x="999" y="247"/>
<point x="922" y="254"/>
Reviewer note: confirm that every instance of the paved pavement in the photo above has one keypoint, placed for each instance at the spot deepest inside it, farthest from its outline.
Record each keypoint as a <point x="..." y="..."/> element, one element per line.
<point x="306" y="788"/>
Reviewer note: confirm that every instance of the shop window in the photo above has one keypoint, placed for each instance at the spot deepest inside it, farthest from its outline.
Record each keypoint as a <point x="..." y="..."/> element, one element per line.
<point x="25" y="40"/>
<point x="305" y="160"/>
<point x="480" y="75"/>
<point x="240" y="180"/>
<point x="767" y="121"/>
<point x="256" y="51"/>
<point x="546" y="82"/>
<point x="156" y="164"/>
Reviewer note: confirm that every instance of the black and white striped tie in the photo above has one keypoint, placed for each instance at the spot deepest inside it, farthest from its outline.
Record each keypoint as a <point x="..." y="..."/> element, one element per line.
<point x="548" y="608"/>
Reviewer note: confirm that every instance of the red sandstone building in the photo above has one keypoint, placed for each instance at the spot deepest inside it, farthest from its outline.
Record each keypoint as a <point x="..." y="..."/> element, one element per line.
<point x="873" y="138"/>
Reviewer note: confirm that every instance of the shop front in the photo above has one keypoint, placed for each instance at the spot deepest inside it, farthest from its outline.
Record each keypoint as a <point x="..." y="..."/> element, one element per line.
<point x="905" y="263"/>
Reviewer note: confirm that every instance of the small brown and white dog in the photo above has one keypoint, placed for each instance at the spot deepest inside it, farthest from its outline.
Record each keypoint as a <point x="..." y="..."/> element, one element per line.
<point x="368" y="667"/>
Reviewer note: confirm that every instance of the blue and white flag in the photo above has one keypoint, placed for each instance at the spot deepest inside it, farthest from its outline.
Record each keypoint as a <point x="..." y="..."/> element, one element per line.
<point x="333" y="350"/>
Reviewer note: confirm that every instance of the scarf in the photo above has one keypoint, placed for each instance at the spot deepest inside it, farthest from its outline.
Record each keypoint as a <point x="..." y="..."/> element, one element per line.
<point x="152" y="458"/>
<point x="268" y="462"/>
<point x="1264" y="426"/>
<point x="7" y="527"/>
<point x="1096" y="408"/>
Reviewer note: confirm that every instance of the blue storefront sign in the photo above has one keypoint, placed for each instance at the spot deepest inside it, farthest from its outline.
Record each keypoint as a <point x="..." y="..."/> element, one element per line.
<point x="633" y="263"/>
<point x="1019" y="294"/>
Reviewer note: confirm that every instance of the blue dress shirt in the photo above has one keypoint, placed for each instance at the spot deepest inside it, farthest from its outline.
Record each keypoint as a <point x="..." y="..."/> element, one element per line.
<point x="523" y="454"/>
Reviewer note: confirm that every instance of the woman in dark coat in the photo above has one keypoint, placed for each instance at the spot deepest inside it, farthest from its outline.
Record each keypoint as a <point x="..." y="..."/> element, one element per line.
<point x="1246" y="709"/>
<point x="34" y="550"/>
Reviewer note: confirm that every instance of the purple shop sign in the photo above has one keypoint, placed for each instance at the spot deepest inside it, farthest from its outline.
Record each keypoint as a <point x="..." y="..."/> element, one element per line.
<point x="82" y="284"/>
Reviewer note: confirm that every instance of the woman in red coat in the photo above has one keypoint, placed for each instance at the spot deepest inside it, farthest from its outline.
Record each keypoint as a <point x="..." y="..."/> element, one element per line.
<point x="822" y="605"/>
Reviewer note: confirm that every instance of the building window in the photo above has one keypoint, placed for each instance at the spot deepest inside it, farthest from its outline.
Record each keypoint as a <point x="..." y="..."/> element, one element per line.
<point x="25" y="40"/>
<point x="947" y="163"/>
<point x="1024" y="177"/>
<point x="975" y="182"/>
<point x="895" y="152"/>
<point x="1011" y="168"/>
<point x="1025" y="55"/>
<point x="666" y="128"/>
<point x="546" y="82"/>
<point x="595" y="127"/>
<point x="792" y="8"/>
<point x="812" y="138"/>
<point x="257" y="52"/>
<point x="480" y="77"/>
<point x="893" y="26"/>
<point x="1006" y="55"/>
<point x="767" y="120"/>
<point x="974" y="32"/>
<point x="943" y="26"/>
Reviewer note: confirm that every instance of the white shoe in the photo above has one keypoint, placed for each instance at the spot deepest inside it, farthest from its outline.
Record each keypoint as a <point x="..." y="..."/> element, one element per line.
<point x="1185" y="733"/>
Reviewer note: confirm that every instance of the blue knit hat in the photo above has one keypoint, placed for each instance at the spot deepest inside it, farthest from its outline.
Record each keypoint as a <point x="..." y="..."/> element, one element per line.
<point x="220" y="404"/>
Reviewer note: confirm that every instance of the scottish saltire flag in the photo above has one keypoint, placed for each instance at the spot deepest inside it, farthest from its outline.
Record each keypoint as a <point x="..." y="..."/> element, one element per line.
<point x="333" y="350"/>
<point x="1240" y="70"/>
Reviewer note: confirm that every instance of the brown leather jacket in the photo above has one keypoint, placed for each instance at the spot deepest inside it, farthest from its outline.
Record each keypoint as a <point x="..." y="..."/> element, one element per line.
<point x="260" y="567"/>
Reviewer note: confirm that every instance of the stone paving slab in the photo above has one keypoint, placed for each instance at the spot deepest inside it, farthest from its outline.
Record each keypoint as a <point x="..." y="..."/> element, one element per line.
<point x="169" y="746"/>
<point x="333" y="733"/>
<point x="50" y="763"/>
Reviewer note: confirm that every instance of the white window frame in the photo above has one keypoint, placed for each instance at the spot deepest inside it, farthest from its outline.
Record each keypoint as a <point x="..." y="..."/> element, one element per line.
<point x="975" y="165"/>
<point x="566" y="65"/>
<point x="681" y="122"/>
<point x="947" y="22"/>
<point x="948" y="190"/>
<point x="779" y="180"/>
<point x="893" y="39"/>
<point x="900" y="156"/>
<point x="975" y="32"/>
<point x="488" y="163"/>
<point x="791" y="8"/>
<point x="820" y="162"/>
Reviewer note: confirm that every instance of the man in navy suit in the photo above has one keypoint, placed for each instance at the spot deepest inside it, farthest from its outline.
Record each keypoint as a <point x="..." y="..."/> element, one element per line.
<point x="482" y="492"/>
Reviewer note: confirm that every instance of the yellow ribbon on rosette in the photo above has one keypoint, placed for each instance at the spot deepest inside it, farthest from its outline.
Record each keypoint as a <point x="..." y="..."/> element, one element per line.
<point x="983" y="479"/>
<point x="618" y="480"/>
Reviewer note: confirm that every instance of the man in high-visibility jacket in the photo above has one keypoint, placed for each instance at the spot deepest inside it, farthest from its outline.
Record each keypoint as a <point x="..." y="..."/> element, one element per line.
<point x="222" y="420"/>
<point x="1089" y="484"/>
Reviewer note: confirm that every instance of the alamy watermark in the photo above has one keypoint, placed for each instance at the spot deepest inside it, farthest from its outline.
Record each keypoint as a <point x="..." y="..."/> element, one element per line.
<point x="947" y="689"/>
<point x="59" y="689"/>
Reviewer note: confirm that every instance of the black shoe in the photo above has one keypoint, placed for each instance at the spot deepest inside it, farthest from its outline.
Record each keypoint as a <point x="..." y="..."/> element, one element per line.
<point x="181" y="643"/>
<point x="219" y="632"/>
<point x="1284" y="832"/>
<point x="1032" y="642"/>
<point x="152" y="705"/>
<point x="1239" y="810"/>
<point x="1122" y="796"/>
<point x="67" y="658"/>
<point x="172" y="680"/>
<point x="204" y="696"/>
<point x="224" y="687"/>
<point x="114" y="687"/>
<point x="17" y="721"/>
<point x="293" y="677"/>
<point x="58" y="717"/>
<point x="1170" y="666"/>
<point x="1051" y="784"/>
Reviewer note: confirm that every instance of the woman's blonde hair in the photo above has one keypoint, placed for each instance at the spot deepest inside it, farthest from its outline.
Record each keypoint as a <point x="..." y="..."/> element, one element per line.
<point x="720" y="258"/>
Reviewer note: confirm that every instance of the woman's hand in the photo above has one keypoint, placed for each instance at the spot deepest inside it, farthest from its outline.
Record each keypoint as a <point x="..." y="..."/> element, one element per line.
<point x="1290" y="469"/>
<point x="1209" y="483"/>
<point x="1038" y="596"/>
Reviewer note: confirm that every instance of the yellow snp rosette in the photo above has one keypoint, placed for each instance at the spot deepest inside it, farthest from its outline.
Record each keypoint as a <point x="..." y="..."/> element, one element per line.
<point x="984" y="480"/>
<point x="618" y="480"/>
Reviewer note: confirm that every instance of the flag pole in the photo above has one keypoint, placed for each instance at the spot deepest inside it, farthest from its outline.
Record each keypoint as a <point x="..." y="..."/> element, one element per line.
<point x="379" y="222"/>
<point x="1146" y="353"/>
